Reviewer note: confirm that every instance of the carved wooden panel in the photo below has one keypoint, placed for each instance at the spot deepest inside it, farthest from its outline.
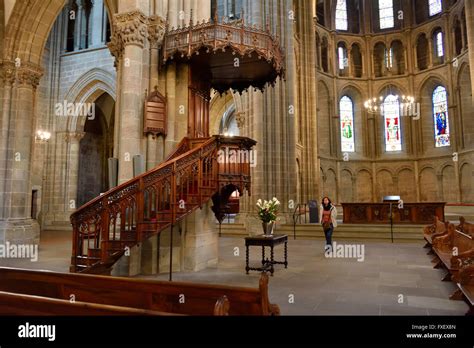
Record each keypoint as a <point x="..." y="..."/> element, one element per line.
<point x="410" y="213"/>
<point x="155" y="114"/>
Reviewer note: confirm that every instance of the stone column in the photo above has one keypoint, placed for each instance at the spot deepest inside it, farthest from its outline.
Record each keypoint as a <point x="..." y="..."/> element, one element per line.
<point x="128" y="42"/>
<point x="73" y="139"/>
<point x="18" y="119"/>
<point x="201" y="240"/>
<point x="156" y="30"/>
<point x="78" y="26"/>
<point x="7" y="77"/>
<point x="470" y="35"/>
<point x="203" y="10"/>
<point x="430" y="52"/>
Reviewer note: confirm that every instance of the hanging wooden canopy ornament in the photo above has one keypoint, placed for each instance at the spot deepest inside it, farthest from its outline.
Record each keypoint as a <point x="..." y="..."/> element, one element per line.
<point x="234" y="55"/>
<point x="155" y="114"/>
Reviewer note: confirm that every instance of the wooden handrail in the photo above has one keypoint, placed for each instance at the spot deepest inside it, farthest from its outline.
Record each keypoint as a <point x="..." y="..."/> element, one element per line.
<point x="148" y="204"/>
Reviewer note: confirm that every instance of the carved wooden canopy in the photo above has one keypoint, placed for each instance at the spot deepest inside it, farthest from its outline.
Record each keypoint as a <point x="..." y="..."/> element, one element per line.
<point x="233" y="55"/>
<point x="155" y="114"/>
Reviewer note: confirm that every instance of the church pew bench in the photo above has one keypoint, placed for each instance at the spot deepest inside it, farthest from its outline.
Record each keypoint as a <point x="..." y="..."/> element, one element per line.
<point x="13" y="304"/>
<point x="172" y="297"/>
<point x="465" y="282"/>
<point x="437" y="229"/>
<point x="465" y="226"/>
<point x="451" y="249"/>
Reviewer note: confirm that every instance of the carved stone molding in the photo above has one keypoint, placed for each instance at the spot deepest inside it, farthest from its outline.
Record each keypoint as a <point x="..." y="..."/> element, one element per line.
<point x="131" y="27"/>
<point x="7" y="72"/>
<point x="134" y="28"/>
<point x="27" y="74"/>
<point x="156" y="31"/>
<point x="71" y="137"/>
<point x="240" y="119"/>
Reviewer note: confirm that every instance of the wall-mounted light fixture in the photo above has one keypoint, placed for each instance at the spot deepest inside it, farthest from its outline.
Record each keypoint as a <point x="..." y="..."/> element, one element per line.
<point x="42" y="136"/>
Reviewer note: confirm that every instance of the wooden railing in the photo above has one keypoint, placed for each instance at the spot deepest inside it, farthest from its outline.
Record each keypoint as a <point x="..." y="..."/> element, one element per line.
<point x="152" y="202"/>
<point x="214" y="36"/>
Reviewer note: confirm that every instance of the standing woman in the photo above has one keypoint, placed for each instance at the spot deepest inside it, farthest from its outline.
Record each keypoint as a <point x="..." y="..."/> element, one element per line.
<point x="327" y="217"/>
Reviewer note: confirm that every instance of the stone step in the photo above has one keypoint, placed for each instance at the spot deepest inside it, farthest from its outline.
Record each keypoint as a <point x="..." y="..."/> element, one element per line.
<point x="401" y="233"/>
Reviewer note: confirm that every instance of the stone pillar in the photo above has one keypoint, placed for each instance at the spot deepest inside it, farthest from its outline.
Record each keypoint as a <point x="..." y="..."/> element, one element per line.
<point x="173" y="14"/>
<point x="18" y="119"/>
<point x="201" y="240"/>
<point x="96" y="24"/>
<point x="430" y="52"/>
<point x="7" y="78"/>
<point x="470" y="35"/>
<point x="128" y="44"/>
<point x="156" y="30"/>
<point x="73" y="139"/>
<point x="78" y="26"/>
<point x="203" y="10"/>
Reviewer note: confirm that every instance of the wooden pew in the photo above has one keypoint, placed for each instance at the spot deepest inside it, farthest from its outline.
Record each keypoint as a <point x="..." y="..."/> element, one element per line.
<point x="465" y="283"/>
<point x="465" y="226"/>
<point x="451" y="249"/>
<point x="436" y="229"/>
<point x="161" y="296"/>
<point x="22" y="305"/>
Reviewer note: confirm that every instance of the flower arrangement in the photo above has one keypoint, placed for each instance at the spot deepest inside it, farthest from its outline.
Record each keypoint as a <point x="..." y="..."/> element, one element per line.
<point x="268" y="210"/>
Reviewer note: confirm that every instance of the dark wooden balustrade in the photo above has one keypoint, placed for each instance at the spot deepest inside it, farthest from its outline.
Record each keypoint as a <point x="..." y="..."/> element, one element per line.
<point x="213" y="47"/>
<point x="198" y="170"/>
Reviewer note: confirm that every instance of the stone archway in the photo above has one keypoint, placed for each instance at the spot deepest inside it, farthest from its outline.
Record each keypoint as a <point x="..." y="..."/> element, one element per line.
<point x="25" y="38"/>
<point x="95" y="147"/>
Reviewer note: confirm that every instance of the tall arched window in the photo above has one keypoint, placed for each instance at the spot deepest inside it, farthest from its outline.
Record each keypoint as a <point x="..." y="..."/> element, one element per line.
<point x="440" y="115"/>
<point x="435" y="7"/>
<point x="386" y="14"/>
<point x="439" y="44"/>
<point x="389" y="58"/>
<point x="391" y="114"/>
<point x="342" y="60"/>
<point x="346" y="109"/>
<point x="341" y="15"/>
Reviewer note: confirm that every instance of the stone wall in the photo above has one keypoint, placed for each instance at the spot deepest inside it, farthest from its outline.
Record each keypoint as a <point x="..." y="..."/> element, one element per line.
<point x="421" y="171"/>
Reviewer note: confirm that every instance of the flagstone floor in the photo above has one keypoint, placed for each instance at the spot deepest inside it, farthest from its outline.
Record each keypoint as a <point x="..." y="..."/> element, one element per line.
<point x="393" y="279"/>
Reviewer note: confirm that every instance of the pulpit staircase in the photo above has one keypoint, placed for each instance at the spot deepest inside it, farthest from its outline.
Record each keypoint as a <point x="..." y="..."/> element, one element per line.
<point x="196" y="172"/>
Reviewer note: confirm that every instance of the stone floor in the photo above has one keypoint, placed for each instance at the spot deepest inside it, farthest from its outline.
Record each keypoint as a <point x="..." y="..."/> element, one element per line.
<point x="393" y="279"/>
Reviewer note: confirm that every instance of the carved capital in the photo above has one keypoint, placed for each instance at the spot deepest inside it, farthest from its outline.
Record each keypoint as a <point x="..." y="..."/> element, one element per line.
<point x="22" y="74"/>
<point x="240" y="119"/>
<point x="131" y="28"/>
<point x="72" y="137"/>
<point x="29" y="75"/>
<point x="116" y="46"/>
<point x="7" y="72"/>
<point x="156" y="31"/>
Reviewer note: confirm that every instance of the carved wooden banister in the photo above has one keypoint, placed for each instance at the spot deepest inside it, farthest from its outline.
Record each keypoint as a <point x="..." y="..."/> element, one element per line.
<point x="198" y="170"/>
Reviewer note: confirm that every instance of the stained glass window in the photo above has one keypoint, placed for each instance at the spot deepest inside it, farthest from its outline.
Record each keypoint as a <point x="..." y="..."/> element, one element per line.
<point x="341" y="15"/>
<point x="439" y="44"/>
<point x="391" y="113"/>
<point x="440" y="115"/>
<point x="435" y="7"/>
<point x="346" y="109"/>
<point x="386" y="14"/>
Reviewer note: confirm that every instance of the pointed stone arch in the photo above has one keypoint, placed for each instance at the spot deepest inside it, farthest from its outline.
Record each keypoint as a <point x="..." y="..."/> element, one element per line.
<point x="87" y="89"/>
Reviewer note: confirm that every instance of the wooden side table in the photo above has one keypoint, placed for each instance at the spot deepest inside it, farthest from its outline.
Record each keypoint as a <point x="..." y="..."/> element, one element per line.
<point x="264" y="241"/>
